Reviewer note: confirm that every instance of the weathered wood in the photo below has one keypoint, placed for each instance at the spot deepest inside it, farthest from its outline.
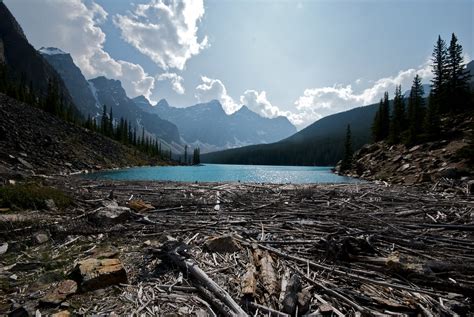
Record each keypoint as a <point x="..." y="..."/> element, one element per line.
<point x="175" y="254"/>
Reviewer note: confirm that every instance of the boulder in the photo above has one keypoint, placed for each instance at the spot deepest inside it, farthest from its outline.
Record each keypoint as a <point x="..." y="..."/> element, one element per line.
<point x="92" y="274"/>
<point x="60" y="293"/>
<point x="222" y="244"/>
<point x="111" y="213"/>
<point x="62" y="313"/>
<point x="139" y="205"/>
<point x="41" y="237"/>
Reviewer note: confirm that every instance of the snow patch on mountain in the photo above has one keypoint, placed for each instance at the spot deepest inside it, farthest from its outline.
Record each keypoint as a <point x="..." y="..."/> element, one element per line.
<point x="51" y="51"/>
<point x="94" y="93"/>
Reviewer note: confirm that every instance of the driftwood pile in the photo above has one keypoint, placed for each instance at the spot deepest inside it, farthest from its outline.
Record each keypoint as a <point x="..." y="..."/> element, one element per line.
<point x="251" y="249"/>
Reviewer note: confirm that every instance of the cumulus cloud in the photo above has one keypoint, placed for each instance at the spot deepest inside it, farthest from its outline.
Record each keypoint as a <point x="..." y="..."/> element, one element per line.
<point x="74" y="27"/>
<point x="175" y="80"/>
<point x="211" y="89"/>
<point x="316" y="103"/>
<point x="258" y="102"/>
<point x="165" y="31"/>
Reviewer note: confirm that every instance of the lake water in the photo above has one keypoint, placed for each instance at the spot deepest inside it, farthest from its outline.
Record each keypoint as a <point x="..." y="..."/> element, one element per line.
<point x="228" y="173"/>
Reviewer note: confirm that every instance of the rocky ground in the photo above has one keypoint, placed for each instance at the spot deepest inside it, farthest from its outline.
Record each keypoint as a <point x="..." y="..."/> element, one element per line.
<point x="428" y="163"/>
<point x="139" y="248"/>
<point x="35" y="142"/>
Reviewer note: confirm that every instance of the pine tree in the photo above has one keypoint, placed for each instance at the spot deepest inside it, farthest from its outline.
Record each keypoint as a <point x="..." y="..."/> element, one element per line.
<point x="432" y="124"/>
<point x="185" y="154"/>
<point x="439" y="83"/>
<point x="398" y="121"/>
<point x="376" y="125"/>
<point x="110" y="128"/>
<point x="196" y="156"/>
<point x="348" y="152"/>
<point x="381" y="124"/>
<point x="415" y="111"/>
<point x="104" y="121"/>
<point x="458" y="78"/>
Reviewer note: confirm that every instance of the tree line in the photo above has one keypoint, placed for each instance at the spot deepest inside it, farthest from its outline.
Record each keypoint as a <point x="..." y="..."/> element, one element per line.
<point x="418" y="119"/>
<point x="54" y="103"/>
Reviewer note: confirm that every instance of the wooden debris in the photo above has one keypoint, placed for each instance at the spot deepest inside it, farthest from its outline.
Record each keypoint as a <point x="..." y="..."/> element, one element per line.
<point x="358" y="250"/>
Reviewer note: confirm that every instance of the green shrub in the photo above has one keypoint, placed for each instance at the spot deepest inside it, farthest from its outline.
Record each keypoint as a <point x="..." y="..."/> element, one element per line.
<point x="31" y="196"/>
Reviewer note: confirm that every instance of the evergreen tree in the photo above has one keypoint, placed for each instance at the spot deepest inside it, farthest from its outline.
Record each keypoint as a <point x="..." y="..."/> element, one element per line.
<point x="439" y="82"/>
<point x="458" y="78"/>
<point x="415" y="111"/>
<point x="398" y="121"/>
<point x="381" y="124"/>
<point x="110" y="128"/>
<point x="432" y="124"/>
<point x="185" y="154"/>
<point x="348" y="152"/>
<point x="104" y="121"/>
<point x="196" y="156"/>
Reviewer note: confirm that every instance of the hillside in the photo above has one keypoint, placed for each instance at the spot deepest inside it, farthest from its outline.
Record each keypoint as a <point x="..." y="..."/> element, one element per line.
<point x="35" y="142"/>
<point x="427" y="162"/>
<point x="90" y="96"/>
<point x="321" y="143"/>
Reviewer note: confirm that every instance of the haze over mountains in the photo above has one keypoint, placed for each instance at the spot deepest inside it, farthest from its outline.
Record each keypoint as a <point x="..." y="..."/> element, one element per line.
<point x="204" y="125"/>
<point x="321" y="143"/>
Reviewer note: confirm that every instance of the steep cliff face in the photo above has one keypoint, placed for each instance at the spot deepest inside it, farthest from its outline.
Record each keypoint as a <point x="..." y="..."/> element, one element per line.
<point x="23" y="61"/>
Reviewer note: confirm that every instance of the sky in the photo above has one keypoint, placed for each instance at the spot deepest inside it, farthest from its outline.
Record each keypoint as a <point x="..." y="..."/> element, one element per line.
<point x="301" y="59"/>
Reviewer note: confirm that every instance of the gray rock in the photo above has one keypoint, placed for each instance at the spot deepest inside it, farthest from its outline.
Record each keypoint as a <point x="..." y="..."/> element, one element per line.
<point x="111" y="213"/>
<point x="51" y="205"/>
<point x="25" y="163"/>
<point x="41" y="237"/>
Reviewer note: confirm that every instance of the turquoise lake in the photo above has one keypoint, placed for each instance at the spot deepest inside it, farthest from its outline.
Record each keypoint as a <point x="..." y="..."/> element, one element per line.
<point x="228" y="173"/>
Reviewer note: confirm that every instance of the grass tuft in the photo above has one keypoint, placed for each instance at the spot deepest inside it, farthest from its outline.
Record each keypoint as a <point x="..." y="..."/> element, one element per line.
<point x="32" y="196"/>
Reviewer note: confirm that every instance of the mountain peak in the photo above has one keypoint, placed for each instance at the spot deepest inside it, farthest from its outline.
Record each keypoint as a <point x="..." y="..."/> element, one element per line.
<point x="51" y="51"/>
<point x="141" y="99"/>
<point x="163" y="103"/>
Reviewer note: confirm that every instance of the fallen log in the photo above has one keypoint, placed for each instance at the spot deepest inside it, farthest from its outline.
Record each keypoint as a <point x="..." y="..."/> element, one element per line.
<point x="175" y="252"/>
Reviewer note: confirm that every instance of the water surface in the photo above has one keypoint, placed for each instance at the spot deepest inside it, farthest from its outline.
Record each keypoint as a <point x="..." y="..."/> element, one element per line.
<point x="229" y="173"/>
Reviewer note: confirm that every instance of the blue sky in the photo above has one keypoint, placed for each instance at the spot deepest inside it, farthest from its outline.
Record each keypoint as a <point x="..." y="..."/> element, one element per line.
<point x="302" y="59"/>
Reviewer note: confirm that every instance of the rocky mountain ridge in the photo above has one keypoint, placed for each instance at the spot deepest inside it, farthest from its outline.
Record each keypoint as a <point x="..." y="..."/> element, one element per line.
<point x="208" y="126"/>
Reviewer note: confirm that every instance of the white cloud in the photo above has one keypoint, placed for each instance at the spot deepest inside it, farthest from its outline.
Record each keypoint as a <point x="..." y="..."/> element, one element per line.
<point x="211" y="89"/>
<point x="316" y="103"/>
<point x="165" y="31"/>
<point x="258" y="102"/>
<point x="175" y="80"/>
<point x="73" y="26"/>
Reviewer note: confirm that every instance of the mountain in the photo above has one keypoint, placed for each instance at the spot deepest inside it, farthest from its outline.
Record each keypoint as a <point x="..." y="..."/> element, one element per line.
<point x="321" y="143"/>
<point x="89" y="96"/>
<point x="208" y="126"/>
<point x="75" y="81"/>
<point x="111" y="93"/>
<point x="23" y="62"/>
<point x="34" y="141"/>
